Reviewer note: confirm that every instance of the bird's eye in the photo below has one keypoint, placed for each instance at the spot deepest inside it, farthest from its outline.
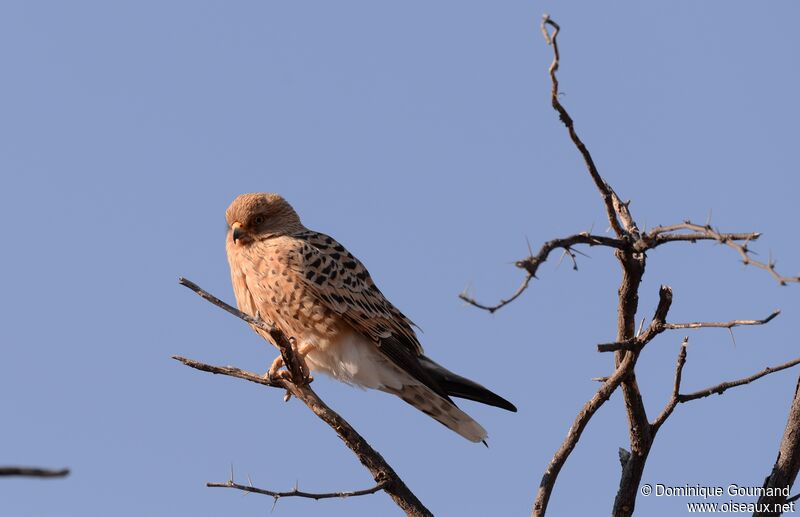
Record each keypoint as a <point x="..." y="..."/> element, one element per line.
<point x="259" y="219"/>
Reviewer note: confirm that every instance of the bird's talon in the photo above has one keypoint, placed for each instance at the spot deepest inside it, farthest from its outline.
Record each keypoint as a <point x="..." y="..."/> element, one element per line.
<point x="277" y="375"/>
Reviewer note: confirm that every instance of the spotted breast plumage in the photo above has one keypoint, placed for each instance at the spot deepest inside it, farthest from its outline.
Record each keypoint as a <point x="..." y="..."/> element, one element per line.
<point x="318" y="293"/>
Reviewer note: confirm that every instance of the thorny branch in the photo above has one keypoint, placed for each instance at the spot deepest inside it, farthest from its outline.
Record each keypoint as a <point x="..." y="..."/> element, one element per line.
<point x="613" y="204"/>
<point x="722" y="387"/>
<point x="296" y="492"/>
<point x="719" y="324"/>
<point x="531" y="263"/>
<point x="296" y="384"/>
<point x="631" y="247"/>
<point x="33" y="472"/>
<point x="658" y="326"/>
<point x="719" y="389"/>
<point x="623" y="370"/>
<point x="663" y="234"/>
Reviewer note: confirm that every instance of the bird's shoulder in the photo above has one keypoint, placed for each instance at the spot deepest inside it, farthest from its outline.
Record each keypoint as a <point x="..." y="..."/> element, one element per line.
<point x="346" y="286"/>
<point x="326" y="262"/>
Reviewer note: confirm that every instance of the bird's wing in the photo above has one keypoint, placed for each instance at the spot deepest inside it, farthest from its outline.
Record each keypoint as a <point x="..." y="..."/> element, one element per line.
<point x="342" y="283"/>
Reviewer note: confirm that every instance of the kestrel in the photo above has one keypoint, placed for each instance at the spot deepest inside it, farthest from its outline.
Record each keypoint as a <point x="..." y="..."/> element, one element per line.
<point x="318" y="293"/>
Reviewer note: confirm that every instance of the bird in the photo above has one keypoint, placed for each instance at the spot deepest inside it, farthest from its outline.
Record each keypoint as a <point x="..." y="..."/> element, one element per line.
<point x="340" y="324"/>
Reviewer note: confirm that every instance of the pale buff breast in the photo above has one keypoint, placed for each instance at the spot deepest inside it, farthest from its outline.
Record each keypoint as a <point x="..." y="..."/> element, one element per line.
<point x="265" y="286"/>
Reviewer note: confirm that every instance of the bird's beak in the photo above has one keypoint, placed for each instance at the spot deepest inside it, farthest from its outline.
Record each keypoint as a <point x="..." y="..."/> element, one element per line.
<point x="237" y="232"/>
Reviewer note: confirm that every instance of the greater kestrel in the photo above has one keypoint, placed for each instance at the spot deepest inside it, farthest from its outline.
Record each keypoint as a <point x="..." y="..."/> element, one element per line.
<point x="318" y="293"/>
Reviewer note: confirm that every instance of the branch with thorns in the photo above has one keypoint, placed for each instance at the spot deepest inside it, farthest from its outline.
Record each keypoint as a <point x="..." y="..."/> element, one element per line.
<point x="532" y="262"/>
<point x="719" y="389"/>
<point x="296" y="383"/>
<point x="664" y="234"/>
<point x="659" y="326"/>
<point x="630" y="247"/>
<point x="296" y="492"/>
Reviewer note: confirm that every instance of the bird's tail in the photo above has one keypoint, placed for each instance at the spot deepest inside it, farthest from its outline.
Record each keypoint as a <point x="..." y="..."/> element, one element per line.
<point x="461" y="387"/>
<point x="441" y="407"/>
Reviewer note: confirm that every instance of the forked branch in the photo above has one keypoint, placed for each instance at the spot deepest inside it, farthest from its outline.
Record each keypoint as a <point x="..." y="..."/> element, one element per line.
<point x="696" y="232"/>
<point x="383" y="474"/>
<point x="657" y="326"/>
<point x="575" y="431"/>
<point x="610" y="384"/>
<point x="632" y="255"/>
<point x="531" y="263"/>
<point x="722" y="387"/>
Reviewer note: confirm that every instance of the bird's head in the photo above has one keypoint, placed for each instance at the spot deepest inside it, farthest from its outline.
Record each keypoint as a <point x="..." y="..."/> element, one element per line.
<point x="261" y="215"/>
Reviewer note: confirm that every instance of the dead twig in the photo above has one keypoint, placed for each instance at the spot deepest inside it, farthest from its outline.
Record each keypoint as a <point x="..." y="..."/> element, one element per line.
<point x="35" y="472"/>
<point x="719" y="324"/>
<point x="614" y="206"/>
<point x="295" y="492"/>
<point x="658" y="326"/>
<point x="676" y="388"/>
<point x="725" y="386"/>
<point x="663" y="234"/>
<point x="532" y="262"/>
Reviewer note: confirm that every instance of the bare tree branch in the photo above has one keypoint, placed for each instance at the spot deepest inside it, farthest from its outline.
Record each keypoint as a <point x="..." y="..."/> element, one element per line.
<point x="676" y="388"/>
<point x="574" y="434"/>
<point x="381" y="471"/>
<point x="658" y="326"/>
<point x="724" y="386"/>
<point x="663" y="234"/>
<point x="787" y="464"/>
<point x="293" y="364"/>
<point x="532" y="262"/>
<point x="33" y="472"/>
<point x="503" y="302"/>
<point x="631" y="247"/>
<point x="295" y="492"/>
<point x="614" y="206"/>
<point x="718" y="324"/>
<point x="610" y="384"/>
<point x="678" y="398"/>
<point x="638" y="424"/>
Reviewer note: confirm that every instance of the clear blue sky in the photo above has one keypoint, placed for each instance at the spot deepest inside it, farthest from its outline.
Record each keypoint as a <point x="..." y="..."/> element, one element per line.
<point x="420" y="135"/>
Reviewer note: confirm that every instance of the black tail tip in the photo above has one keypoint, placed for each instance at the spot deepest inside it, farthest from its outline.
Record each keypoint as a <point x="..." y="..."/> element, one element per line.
<point x="508" y="406"/>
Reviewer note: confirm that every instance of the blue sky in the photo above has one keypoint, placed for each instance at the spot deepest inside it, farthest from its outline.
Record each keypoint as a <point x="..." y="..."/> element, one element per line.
<point x="420" y="135"/>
